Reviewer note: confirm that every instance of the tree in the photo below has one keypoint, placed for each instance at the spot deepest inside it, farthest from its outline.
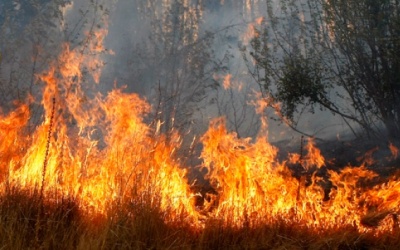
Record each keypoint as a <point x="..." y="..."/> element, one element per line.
<point x="27" y="31"/>
<point x="341" y="55"/>
<point x="173" y="62"/>
<point x="33" y="35"/>
<point x="235" y="102"/>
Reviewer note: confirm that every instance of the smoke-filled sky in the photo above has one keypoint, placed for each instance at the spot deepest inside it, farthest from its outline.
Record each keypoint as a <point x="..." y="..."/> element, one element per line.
<point x="231" y="23"/>
<point x="158" y="60"/>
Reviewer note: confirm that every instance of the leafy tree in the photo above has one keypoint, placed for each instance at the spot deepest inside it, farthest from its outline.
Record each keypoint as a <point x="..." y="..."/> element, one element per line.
<point x="341" y="55"/>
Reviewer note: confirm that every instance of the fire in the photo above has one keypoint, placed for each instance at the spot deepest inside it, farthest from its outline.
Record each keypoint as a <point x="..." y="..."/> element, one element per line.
<point x="227" y="81"/>
<point x="252" y="185"/>
<point x="12" y="142"/>
<point x="251" y="31"/>
<point x="98" y="149"/>
<point x="312" y="159"/>
<point x="394" y="150"/>
<point x="94" y="148"/>
<point x="248" y="179"/>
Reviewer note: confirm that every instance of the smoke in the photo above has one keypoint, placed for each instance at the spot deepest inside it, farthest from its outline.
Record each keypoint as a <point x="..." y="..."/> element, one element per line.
<point x="140" y="58"/>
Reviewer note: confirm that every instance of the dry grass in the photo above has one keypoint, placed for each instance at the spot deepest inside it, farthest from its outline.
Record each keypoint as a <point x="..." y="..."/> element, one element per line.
<point x="27" y="222"/>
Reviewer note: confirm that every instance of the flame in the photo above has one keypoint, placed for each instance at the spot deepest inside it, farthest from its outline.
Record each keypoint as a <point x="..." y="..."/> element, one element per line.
<point x="312" y="159"/>
<point x="98" y="149"/>
<point x="254" y="187"/>
<point x="227" y="81"/>
<point x="248" y="179"/>
<point x="394" y="150"/>
<point x="92" y="147"/>
<point x="12" y="142"/>
<point x="251" y="31"/>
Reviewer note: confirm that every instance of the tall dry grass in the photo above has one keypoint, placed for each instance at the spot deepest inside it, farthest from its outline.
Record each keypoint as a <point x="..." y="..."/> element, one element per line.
<point x="29" y="222"/>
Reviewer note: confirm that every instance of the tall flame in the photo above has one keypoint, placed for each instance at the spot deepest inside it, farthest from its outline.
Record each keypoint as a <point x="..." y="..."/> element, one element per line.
<point x="99" y="149"/>
<point x="92" y="147"/>
<point x="253" y="186"/>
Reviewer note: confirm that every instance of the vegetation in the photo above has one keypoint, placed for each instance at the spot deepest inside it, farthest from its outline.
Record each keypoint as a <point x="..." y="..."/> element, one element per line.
<point x="182" y="55"/>
<point x="82" y="167"/>
<point x="340" y="55"/>
<point x="29" y="223"/>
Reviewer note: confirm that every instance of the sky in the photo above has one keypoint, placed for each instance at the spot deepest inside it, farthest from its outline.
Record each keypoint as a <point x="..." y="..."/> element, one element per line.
<point x="231" y="23"/>
<point x="143" y="60"/>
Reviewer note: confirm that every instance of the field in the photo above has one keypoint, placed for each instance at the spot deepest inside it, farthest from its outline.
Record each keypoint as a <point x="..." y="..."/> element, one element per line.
<point x="29" y="223"/>
<point x="94" y="173"/>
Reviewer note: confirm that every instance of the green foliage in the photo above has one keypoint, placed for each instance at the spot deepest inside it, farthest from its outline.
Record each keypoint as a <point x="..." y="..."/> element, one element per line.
<point x="349" y="47"/>
<point x="300" y="83"/>
<point x="261" y="55"/>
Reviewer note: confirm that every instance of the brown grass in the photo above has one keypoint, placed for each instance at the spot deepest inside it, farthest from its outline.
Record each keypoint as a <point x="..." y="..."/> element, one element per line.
<point x="57" y="223"/>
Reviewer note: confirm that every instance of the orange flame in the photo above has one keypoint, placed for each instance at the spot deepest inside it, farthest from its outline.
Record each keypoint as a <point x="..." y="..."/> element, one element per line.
<point x="98" y="149"/>
<point x="252" y="185"/>
<point x="251" y="31"/>
<point x="312" y="161"/>
<point x="227" y="81"/>
<point x="394" y="150"/>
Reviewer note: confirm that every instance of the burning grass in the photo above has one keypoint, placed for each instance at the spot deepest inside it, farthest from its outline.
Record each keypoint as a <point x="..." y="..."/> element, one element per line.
<point x="95" y="175"/>
<point x="27" y="223"/>
<point x="135" y="195"/>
